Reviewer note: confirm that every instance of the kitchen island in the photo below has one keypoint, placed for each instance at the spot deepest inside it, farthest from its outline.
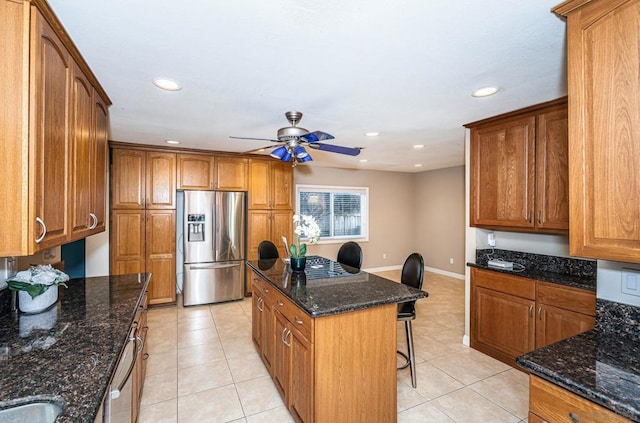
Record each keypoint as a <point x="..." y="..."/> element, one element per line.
<point x="328" y="338"/>
<point x="68" y="353"/>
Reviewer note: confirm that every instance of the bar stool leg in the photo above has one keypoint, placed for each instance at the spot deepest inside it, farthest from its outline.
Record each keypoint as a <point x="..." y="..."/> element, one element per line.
<point x="411" y="358"/>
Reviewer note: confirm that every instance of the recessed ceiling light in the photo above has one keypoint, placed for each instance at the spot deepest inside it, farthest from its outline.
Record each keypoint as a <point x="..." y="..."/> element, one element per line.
<point x="372" y="134"/>
<point x="418" y="146"/>
<point x="485" y="91"/>
<point x="167" y="84"/>
<point x="172" y="142"/>
<point x="363" y="160"/>
<point x="417" y="165"/>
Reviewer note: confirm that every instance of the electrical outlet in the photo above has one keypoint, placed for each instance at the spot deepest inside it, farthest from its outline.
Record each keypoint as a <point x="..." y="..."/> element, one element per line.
<point x="450" y="260"/>
<point x="491" y="240"/>
<point x="384" y="256"/>
<point x="631" y="282"/>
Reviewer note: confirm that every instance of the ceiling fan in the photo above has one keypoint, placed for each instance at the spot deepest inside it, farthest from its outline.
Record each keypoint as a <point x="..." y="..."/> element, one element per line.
<point x="292" y="140"/>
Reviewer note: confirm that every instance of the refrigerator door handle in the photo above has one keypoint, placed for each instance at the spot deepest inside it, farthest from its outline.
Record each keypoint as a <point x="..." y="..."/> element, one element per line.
<point x="220" y="266"/>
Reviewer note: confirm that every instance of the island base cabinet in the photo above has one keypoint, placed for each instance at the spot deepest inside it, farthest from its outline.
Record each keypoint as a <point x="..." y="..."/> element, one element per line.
<point x="549" y="403"/>
<point x="329" y="369"/>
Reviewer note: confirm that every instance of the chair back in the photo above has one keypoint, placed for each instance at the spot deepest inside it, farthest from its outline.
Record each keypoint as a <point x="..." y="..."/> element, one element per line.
<point x="267" y="250"/>
<point x="350" y="254"/>
<point x="413" y="271"/>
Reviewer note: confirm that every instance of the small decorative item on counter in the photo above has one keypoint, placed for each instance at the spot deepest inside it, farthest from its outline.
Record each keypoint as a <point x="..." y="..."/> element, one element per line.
<point x="37" y="287"/>
<point x="305" y="226"/>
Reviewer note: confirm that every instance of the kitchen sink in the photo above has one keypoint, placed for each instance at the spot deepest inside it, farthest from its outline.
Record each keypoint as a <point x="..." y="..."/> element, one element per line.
<point x="33" y="412"/>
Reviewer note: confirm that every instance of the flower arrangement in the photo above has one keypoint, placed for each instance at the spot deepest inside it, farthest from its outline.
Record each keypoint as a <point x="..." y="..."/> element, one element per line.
<point x="37" y="280"/>
<point x="305" y="226"/>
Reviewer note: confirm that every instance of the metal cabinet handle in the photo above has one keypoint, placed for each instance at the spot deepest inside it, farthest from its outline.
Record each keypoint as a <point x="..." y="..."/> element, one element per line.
<point x="285" y="337"/>
<point x="280" y="303"/>
<point x="539" y="313"/>
<point x="574" y="418"/>
<point x="145" y="356"/>
<point x="44" y="230"/>
<point x="539" y="217"/>
<point x="259" y="304"/>
<point x="94" y="218"/>
<point x="298" y="321"/>
<point x="531" y="310"/>
<point x="529" y="216"/>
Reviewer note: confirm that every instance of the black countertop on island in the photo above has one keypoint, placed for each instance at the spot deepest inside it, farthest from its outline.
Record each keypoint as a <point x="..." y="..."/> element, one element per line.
<point x="601" y="365"/>
<point x="327" y="287"/>
<point x="67" y="354"/>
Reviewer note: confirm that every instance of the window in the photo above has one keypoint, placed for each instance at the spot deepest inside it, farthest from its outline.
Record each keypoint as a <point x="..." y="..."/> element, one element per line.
<point x="341" y="212"/>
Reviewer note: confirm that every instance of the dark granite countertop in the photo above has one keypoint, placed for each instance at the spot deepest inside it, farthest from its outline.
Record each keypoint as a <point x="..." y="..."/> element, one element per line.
<point x="67" y="354"/>
<point x="327" y="287"/>
<point x="602" y="365"/>
<point x="568" y="271"/>
<point x="541" y="275"/>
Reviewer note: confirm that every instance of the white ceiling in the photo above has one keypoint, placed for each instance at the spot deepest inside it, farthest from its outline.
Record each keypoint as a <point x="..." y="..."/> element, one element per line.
<point x="405" y="68"/>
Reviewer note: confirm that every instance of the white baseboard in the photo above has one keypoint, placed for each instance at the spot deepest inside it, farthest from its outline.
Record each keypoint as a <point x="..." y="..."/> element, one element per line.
<point x="444" y="272"/>
<point x="428" y="269"/>
<point x="383" y="269"/>
<point x="465" y="340"/>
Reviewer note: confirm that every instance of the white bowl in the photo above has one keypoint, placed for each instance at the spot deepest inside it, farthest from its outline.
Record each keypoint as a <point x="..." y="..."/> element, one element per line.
<point x="39" y="303"/>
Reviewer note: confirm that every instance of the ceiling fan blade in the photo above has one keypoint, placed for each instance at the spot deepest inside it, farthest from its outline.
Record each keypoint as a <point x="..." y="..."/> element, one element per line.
<point x="335" y="148"/>
<point x="258" y="149"/>
<point x="316" y="136"/>
<point x="257" y="139"/>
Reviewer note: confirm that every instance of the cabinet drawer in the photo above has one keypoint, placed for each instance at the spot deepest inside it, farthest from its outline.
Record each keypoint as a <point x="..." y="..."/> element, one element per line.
<point x="557" y="405"/>
<point x="514" y="285"/>
<point x="298" y="319"/>
<point x="568" y="298"/>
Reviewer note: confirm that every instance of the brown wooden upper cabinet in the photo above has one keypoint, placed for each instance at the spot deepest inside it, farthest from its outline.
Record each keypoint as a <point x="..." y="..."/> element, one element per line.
<point x="143" y="179"/>
<point x="209" y="172"/>
<point x="519" y="176"/>
<point x="604" y="111"/>
<point x="270" y="184"/>
<point x="47" y="126"/>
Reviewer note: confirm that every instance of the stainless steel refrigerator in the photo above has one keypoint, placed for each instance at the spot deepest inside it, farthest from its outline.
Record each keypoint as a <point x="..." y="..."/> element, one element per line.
<point x="214" y="246"/>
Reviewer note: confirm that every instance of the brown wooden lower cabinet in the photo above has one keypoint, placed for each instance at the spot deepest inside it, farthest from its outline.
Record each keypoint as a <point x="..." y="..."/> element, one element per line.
<point x="337" y="368"/>
<point x="512" y="315"/>
<point x="549" y="403"/>
<point x="145" y="241"/>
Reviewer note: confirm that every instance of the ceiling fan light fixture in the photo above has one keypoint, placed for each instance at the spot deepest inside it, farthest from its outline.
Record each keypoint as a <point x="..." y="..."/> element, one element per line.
<point x="304" y="159"/>
<point x="279" y="153"/>
<point x="300" y="152"/>
<point x="167" y="84"/>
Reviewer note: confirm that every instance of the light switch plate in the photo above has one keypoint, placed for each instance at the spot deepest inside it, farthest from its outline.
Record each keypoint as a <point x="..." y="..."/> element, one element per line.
<point x="631" y="282"/>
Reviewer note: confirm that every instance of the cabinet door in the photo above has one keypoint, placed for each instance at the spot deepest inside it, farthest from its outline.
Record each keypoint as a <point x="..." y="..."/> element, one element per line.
<point x="504" y="322"/>
<point x="128" y="179"/>
<point x="502" y="166"/>
<point x="281" y="225"/>
<point x="127" y="232"/>
<point x="259" y="184"/>
<point x="552" y="170"/>
<point x="259" y="222"/>
<point x="231" y="174"/>
<point x="555" y="324"/>
<point x="80" y="140"/>
<point x="49" y="128"/>
<point x="161" y="255"/>
<point x="99" y="150"/>
<point x="282" y="355"/>
<point x="195" y="171"/>
<point x="282" y="185"/>
<point x="301" y="395"/>
<point x="161" y="180"/>
<point x="604" y="82"/>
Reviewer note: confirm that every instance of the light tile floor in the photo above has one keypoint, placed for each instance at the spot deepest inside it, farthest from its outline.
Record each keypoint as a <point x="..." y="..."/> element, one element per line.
<point x="203" y="367"/>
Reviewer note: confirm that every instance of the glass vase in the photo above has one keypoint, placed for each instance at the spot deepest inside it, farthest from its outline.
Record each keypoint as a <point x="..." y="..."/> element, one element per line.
<point x="298" y="264"/>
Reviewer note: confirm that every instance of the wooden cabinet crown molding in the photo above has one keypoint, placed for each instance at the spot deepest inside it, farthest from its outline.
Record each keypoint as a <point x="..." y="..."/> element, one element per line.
<point x="519" y="112"/>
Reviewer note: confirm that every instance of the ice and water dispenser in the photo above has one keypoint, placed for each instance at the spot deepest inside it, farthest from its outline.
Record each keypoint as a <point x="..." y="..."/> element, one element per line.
<point x="195" y="225"/>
